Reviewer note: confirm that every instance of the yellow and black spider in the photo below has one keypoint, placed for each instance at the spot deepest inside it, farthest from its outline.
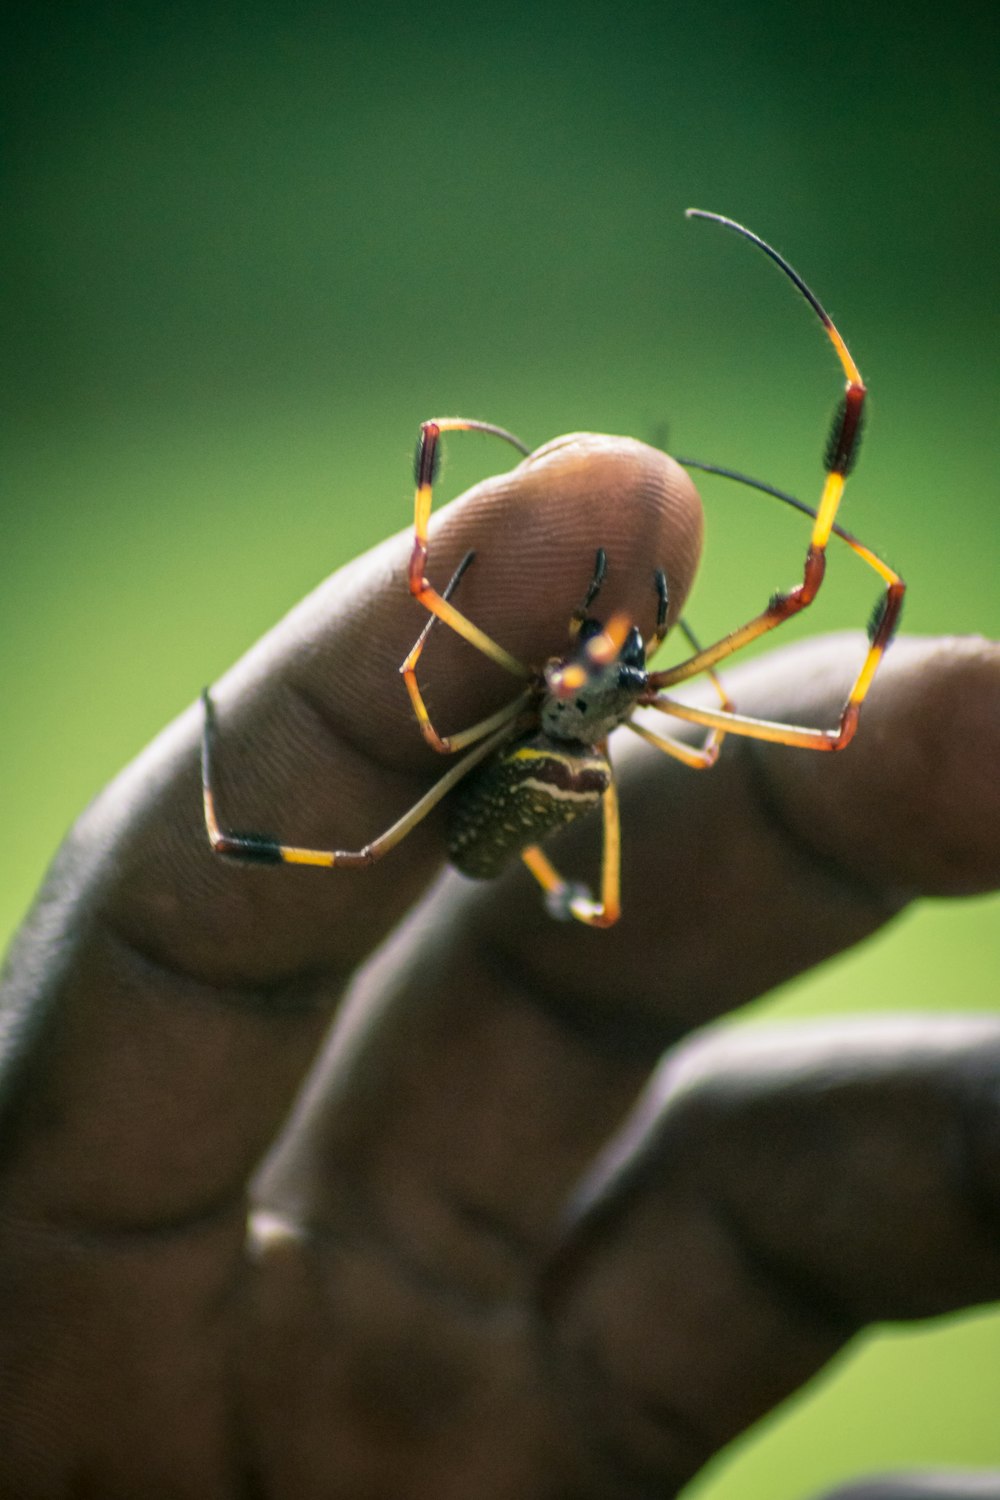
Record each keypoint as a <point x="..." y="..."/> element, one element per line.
<point x="542" y="760"/>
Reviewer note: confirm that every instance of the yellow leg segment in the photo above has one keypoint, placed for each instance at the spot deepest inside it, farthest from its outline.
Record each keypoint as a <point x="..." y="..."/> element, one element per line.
<point x="420" y="588"/>
<point x="697" y="758"/>
<point x="566" y="899"/>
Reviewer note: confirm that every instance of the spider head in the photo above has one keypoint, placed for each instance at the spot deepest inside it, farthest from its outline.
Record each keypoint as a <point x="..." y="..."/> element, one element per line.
<point x="594" y="688"/>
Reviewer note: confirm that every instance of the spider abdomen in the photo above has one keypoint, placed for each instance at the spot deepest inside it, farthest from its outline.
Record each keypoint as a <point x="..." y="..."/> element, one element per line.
<point x="523" y="792"/>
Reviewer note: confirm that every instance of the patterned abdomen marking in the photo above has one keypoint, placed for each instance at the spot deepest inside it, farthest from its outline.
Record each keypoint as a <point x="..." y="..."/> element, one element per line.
<point x="518" y="796"/>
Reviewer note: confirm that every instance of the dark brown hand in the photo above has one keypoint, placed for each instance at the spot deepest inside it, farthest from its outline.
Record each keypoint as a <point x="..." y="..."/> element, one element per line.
<point x="474" y="1267"/>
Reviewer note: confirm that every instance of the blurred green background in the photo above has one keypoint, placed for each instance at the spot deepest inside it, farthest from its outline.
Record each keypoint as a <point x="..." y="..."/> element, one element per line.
<point x="247" y="249"/>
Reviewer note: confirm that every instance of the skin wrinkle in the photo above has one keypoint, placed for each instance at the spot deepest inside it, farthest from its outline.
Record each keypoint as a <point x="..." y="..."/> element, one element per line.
<point x="500" y="1233"/>
<point x="68" y="1230"/>
<point x="607" y="1030"/>
<point x="363" y="1231"/>
<point x="337" y="731"/>
<point x="592" y="1401"/>
<point x="618" y="1423"/>
<point x="263" y="999"/>
<point x="789" y="1287"/>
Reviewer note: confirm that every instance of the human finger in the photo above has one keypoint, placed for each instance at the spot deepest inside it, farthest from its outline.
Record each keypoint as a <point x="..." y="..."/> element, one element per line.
<point x="772" y="1193"/>
<point x="170" y="1001"/>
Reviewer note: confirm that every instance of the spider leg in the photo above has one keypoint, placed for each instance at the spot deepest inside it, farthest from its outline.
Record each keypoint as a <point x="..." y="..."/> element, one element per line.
<point x="840" y="457"/>
<point x="579" y="614"/>
<point x="565" y="899"/>
<point x="698" y="758"/>
<point x="660" y="585"/>
<point x="881" y="629"/>
<point x="446" y="744"/>
<point x="438" y="604"/>
<point x="258" y="849"/>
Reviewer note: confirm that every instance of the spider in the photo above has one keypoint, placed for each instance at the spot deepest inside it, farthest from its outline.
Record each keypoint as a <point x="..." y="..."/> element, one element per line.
<point x="541" y="761"/>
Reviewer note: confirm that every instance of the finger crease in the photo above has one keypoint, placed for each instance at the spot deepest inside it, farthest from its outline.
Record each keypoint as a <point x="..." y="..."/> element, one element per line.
<point x="610" y="1028"/>
<point x="295" y="994"/>
<point x="340" y="733"/>
<point x="615" y="1423"/>
<point x="798" y="1294"/>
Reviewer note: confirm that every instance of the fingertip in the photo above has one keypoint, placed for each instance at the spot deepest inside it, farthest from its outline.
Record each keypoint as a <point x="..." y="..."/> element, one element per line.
<point x="914" y="805"/>
<point x="535" y="531"/>
<point x="639" y="503"/>
<point x="538" y="528"/>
